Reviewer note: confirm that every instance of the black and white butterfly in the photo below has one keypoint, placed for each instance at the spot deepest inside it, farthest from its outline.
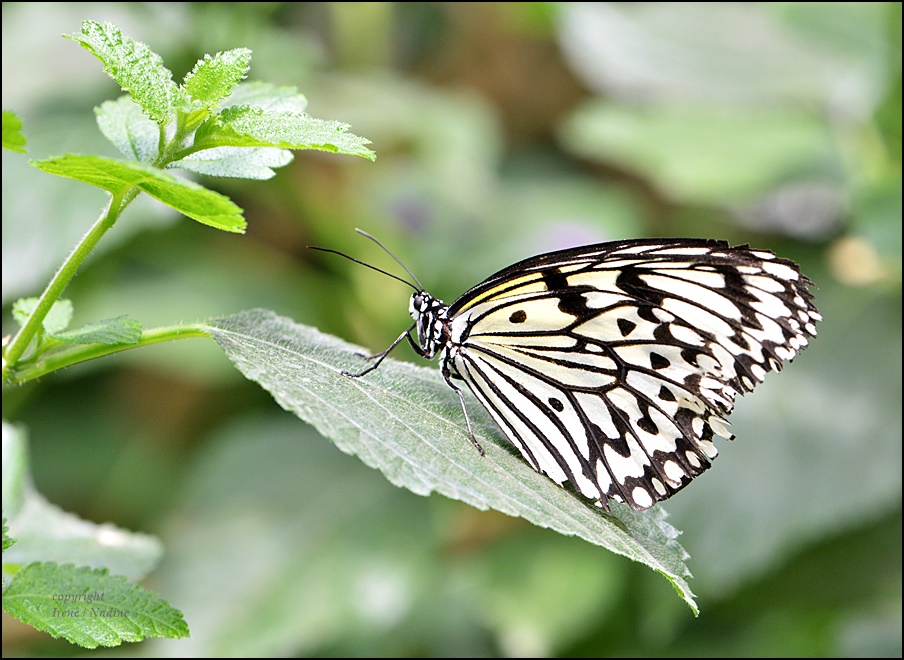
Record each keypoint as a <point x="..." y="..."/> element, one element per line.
<point x="613" y="366"/>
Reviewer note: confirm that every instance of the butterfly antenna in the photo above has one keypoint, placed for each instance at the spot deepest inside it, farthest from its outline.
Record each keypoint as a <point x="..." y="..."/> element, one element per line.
<point x="387" y="251"/>
<point x="379" y="270"/>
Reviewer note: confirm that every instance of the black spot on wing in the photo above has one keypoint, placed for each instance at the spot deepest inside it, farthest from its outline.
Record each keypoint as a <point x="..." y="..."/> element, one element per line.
<point x="690" y="355"/>
<point x="657" y="361"/>
<point x="646" y="422"/>
<point x="618" y="443"/>
<point x="648" y="425"/>
<point x="630" y="282"/>
<point x="647" y="313"/>
<point x="554" y="279"/>
<point x="571" y="299"/>
<point x="626" y="327"/>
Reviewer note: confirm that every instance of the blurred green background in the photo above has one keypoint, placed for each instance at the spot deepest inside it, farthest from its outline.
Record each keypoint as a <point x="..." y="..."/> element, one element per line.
<point x="502" y="130"/>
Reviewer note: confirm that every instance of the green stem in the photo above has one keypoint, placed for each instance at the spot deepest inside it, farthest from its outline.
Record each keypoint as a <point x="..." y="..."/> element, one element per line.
<point x="61" y="279"/>
<point x="71" y="354"/>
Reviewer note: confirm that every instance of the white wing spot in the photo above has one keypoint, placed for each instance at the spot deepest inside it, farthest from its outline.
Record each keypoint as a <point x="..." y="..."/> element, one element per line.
<point x="781" y="271"/>
<point x="623" y="466"/>
<point x="719" y="427"/>
<point x="673" y="471"/>
<point x="710" y="449"/>
<point x="697" y="426"/>
<point x="602" y="477"/>
<point x="641" y="497"/>
<point x="686" y="335"/>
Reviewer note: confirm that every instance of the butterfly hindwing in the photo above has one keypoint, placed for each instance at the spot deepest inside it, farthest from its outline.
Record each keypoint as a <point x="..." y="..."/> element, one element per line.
<point x="613" y="366"/>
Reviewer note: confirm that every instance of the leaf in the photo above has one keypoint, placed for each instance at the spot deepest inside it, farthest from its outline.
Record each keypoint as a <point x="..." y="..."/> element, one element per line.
<point x="404" y="421"/>
<point x="236" y="162"/>
<point x="250" y="126"/>
<point x="129" y="129"/>
<point x="663" y="145"/>
<point x="117" y="176"/>
<point x="214" y="77"/>
<point x="88" y="607"/>
<point x="57" y="319"/>
<point x="691" y="54"/>
<point x="134" y="67"/>
<point x="44" y="532"/>
<point x="13" y="139"/>
<point x="15" y="469"/>
<point x="8" y="541"/>
<point x="118" y="330"/>
<point x="333" y="531"/>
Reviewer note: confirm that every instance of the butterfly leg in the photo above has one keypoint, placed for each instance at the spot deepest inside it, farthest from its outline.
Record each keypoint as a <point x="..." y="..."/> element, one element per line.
<point x="378" y="358"/>
<point x="457" y="390"/>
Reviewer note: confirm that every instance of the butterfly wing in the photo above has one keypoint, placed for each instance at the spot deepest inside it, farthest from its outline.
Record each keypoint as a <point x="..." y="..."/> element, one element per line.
<point x="613" y="366"/>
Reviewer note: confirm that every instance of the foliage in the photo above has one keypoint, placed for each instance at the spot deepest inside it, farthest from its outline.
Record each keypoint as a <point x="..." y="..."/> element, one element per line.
<point x="504" y="130"/>
<point x="240" y="138"/>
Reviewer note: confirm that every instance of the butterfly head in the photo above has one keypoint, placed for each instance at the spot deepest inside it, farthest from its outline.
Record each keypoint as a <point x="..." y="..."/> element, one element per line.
<point x="431" y="317"/>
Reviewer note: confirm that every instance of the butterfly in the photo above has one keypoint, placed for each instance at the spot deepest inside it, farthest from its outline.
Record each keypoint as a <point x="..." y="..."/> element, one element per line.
<point x="613" y="366"/>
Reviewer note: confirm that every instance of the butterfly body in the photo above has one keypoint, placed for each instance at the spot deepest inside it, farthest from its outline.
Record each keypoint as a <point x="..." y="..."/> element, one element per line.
<point x="613" y="366"/>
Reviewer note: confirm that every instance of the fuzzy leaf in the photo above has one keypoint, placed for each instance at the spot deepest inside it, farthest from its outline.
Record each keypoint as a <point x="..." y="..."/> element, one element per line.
<point x="129" y="129"/>
<point x="57" y="319"/>
<point x="404" y="421"/>
<point x="134" y="66"/>
<point x="214" y="77"/>
<point x="249" y="126"/>
<point x="118" y="330"/>
<point x="236" y="162"/>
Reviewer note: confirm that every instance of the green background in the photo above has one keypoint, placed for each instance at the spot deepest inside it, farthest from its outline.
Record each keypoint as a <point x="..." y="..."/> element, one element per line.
<point x="501" y="131"/>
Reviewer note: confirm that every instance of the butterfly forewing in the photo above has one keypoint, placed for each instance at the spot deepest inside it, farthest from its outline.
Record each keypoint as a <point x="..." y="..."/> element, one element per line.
<point x="613" y="366"/>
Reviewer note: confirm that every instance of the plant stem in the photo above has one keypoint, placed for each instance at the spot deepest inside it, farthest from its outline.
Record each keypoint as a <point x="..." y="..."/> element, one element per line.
<point x="61" y="279"/>
<point x="72" y="354"/>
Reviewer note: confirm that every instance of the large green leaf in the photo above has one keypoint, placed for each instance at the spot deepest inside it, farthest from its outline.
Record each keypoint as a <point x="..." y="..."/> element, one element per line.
<point x="403" y="420"/>
<point x="89" y="607"/>
<point x="117" y="176"/>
